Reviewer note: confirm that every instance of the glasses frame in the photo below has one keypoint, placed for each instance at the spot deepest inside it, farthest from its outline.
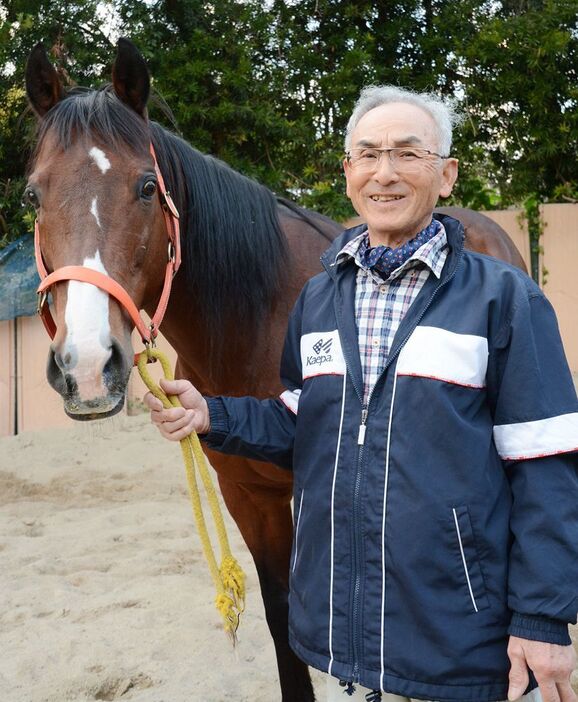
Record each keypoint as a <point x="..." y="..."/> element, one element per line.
<point x="388" y="151"/>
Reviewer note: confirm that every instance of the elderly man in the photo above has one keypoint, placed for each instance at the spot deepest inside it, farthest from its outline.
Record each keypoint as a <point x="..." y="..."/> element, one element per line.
<point x="432" y="426"/>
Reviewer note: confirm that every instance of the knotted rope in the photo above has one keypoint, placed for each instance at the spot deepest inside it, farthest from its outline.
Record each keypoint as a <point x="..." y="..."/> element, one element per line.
<point x="229" y="579"/>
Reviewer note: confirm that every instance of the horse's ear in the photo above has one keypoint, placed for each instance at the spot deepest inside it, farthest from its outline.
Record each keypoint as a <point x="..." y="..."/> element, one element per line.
<point x="130" y="77"/>
<point x="43" y="85"/>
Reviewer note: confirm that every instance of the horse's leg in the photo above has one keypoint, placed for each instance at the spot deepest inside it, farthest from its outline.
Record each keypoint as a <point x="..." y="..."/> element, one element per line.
<point x="263" y="515"/>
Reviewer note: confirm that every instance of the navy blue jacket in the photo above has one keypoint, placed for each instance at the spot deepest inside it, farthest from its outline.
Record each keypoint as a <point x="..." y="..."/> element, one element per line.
<point x="443" y="516"/>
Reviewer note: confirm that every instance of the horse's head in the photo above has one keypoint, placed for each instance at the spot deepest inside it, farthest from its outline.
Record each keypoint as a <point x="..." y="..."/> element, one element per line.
<point x="93" y="184"/>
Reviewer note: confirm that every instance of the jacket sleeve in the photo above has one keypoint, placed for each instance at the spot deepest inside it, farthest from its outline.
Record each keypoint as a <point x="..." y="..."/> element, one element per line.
<point x="536" y="434"/>
<point x="262" y="430"/>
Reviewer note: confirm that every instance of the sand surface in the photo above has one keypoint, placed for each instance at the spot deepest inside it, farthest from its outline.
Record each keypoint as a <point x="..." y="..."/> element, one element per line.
<point x="104" y="593"/>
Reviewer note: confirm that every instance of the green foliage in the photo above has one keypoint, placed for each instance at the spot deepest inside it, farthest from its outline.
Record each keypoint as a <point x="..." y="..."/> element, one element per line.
<point x="13" y="221"/>
<point x="72" y="31"/>
<point x="268" y="87"/>
<point x="535" y="224"/>
<point x="522" y="94"/>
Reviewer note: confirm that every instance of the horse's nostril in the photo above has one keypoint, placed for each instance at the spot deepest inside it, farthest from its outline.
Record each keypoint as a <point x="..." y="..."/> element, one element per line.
<point x="56" y="372"/>
<point x="63" y="363"/>
<point x="71" y="385"/>
<point x="114" y="369"/>
<point x="65" y="358"/>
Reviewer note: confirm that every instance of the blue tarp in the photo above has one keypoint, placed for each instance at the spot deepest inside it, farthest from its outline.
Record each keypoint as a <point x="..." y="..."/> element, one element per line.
<point x="18" y="279"/>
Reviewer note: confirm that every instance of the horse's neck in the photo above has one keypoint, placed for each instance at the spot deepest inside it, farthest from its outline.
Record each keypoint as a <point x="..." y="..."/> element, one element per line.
<point x="250" y="365"/>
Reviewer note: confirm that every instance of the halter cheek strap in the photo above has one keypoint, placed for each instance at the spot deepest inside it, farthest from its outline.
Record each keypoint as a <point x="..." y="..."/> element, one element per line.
<point x="108" y="284"/>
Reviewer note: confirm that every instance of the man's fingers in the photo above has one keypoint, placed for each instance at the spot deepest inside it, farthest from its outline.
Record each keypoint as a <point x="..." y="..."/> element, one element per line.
<point x="566" y="692"/>
<point x="172" y="414"/>
<point x="176" y="423"/>
<point x="519" y="677"/>
<point x="180" y="428"/>
<point x="169" y="421"/>
<point x="552" y="665"/>
<point x="174" y="387"/>
<point x="518" y="686"/>
<point x="179" y="434"/>
<point x="152" y="402"/>
<point x="548" y="690"/>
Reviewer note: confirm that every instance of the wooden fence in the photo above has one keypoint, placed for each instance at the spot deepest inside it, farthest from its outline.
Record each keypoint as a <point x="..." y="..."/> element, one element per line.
<point x="28" y="403"/>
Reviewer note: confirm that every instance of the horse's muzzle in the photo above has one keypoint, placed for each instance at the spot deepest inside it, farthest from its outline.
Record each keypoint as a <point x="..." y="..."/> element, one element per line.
<point x="97" y="396"/>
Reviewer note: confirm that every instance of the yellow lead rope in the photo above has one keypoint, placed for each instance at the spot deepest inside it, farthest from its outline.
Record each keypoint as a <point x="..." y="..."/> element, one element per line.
<point x="229" y="579"/>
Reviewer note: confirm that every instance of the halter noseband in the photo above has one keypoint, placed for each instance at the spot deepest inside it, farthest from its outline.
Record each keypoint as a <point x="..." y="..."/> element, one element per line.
<point x="106" y="283"/>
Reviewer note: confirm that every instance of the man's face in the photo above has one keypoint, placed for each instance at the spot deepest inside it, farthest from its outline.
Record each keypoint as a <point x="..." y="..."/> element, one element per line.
<point x="397" y="206"/>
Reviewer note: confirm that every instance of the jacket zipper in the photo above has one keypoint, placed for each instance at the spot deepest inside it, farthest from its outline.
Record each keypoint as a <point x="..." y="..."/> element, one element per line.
<point x="357" y="542"/>
<point x="356" y="507"/>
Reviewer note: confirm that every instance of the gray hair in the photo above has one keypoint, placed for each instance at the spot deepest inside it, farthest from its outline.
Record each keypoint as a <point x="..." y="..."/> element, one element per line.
<point x="441" y="111"/>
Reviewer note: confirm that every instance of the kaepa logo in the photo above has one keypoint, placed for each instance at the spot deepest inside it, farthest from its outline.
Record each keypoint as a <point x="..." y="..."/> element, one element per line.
<point x="320" y="346"/>
<point x="321" y="353"/>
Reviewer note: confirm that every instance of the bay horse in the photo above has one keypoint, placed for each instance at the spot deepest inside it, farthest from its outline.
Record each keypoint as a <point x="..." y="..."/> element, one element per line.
<point x="245" y="256"/>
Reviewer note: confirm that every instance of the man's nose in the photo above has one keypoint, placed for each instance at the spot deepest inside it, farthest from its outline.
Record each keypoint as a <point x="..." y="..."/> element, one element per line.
<point x="385" y="172"/>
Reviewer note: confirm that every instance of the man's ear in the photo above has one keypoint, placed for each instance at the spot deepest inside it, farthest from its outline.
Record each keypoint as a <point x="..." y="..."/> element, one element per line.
<point x="449" y="176"/>
<point x="346" y="170"/>
<point x="130" y="77"/>
<point x="43" y="85"/>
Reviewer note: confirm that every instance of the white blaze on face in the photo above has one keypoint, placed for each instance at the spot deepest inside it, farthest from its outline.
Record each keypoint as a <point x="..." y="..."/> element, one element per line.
<point x="94" y="211"/>
<point x="87" y="347"/>
<point x="99" y="158"/>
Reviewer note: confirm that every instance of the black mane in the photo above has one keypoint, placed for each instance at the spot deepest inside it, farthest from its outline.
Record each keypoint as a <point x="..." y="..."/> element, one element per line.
<point x="234" y="252"/>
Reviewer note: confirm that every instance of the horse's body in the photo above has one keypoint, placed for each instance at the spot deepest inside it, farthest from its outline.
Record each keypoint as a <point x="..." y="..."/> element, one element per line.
<point x="246" y="256"/>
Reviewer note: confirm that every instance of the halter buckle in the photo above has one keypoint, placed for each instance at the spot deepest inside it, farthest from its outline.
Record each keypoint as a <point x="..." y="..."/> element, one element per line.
<point x="171" y="205"/>
<point x="153" y="331"/>
<point x="41" y="301"/>
<point x="149" y="345"/>
<point x="172" y="252"/>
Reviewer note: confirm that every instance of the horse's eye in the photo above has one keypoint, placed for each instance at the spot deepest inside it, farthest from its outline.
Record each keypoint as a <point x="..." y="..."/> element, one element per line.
<point x="149" y="189"/>
<point x="30" y="198"/>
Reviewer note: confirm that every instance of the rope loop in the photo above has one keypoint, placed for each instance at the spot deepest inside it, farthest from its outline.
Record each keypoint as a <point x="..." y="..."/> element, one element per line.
<point x="229" y="579"/>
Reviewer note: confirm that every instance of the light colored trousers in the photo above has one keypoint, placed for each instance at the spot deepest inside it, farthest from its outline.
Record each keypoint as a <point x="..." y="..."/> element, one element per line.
<point x="335" y="693"/>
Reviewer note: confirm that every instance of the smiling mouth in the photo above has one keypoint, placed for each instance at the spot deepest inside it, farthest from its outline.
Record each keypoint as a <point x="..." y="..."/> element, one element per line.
<point x="385" y="198"/>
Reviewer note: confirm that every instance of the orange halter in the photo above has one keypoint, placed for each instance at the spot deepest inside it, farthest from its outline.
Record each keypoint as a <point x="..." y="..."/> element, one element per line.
<point x="110" y="286"/>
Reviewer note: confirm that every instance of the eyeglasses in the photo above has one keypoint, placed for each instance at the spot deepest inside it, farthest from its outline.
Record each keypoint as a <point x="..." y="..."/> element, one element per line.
<point x="402" y="159"/>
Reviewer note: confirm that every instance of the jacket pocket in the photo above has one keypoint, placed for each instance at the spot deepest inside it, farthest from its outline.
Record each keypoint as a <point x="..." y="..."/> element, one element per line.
<point x="296" y="537"/>
<point x="469" y="556"/>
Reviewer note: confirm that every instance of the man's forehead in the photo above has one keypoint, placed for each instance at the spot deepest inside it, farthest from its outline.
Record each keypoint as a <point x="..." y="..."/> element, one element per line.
<point x="400" y="122"/>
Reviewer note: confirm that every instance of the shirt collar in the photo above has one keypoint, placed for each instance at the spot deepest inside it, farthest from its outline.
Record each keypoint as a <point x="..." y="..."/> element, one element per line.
<point x="432" y="253"/>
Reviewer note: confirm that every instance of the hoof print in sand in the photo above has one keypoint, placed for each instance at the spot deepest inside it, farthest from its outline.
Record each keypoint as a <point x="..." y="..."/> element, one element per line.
<point x="115" y="688"/>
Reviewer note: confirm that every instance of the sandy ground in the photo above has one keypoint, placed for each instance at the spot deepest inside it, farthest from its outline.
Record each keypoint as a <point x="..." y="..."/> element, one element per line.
<point x="104" y="591"/>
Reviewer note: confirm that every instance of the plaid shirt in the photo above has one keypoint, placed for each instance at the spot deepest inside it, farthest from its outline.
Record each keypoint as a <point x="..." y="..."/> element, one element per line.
<point x="380" y="305"/>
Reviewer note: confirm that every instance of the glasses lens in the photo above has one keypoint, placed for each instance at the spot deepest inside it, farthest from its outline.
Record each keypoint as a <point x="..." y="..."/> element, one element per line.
<point x="403" y="159"/>
<point x="365" y="159"/>
<point x="406" y="160"/>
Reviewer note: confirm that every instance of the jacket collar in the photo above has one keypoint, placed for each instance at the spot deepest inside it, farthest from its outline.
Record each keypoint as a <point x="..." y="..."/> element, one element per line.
<point x="344" y="277"/>
<point x="454" y="230"/>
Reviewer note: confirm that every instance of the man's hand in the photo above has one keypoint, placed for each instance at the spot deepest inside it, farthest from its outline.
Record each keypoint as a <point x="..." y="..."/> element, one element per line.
<point x="177" y="422"/>
<point x="551" y="664"/>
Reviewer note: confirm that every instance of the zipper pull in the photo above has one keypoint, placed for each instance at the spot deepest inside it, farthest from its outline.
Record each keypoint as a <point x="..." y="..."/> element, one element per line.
<point x="349" y="687"/>
<point x="362" y="428"/>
